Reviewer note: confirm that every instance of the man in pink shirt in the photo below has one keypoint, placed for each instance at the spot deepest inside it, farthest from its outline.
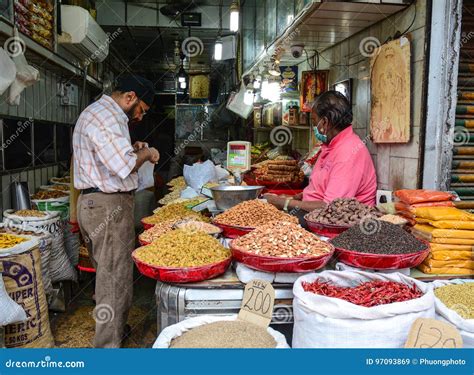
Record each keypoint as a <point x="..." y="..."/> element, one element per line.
<point x="344" y="168"/>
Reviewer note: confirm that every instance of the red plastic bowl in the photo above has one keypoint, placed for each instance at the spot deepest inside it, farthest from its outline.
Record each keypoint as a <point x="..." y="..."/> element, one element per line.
<point x="146" y="225"/>
<point x="382" y="261"/>
<point x="326" y="230"/>
<point x="143" y="243"/>
<point x="182" y="275"/>
<point x="231" y="231"/>
<point x="278" y="264"/>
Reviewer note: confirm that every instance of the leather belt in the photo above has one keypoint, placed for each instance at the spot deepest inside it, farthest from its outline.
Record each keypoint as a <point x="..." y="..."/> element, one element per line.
<point x="97" y="190"/>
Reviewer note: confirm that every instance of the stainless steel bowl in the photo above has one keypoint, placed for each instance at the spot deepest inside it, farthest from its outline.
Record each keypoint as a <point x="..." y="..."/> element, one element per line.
<point x="227" y="196"/>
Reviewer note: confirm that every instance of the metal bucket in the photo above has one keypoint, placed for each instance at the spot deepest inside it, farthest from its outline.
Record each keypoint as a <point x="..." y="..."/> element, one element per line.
<point x="20" y="196"/>
<point x="227" y="196"/>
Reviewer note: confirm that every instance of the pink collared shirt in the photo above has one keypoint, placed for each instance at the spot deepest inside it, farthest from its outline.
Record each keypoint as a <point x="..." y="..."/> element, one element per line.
<point x="344" y="169"/>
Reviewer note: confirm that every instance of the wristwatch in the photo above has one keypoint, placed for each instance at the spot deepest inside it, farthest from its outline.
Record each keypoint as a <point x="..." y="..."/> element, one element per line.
<point x="287" y="202"/>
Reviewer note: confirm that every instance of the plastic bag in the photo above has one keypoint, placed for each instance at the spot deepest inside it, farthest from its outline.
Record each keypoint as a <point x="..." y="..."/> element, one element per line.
<point x="451" y="255"/>
<point x="430" y="231"/>
<point x="464" y="326"/>
<point x="453" y="241"/>
<point x="326" y="322"/>
<point x="442" y="213"/>
<point x="10" y="312"/>
<point x="426" y="268"/>
<point x="189" y="193"/>
<point x="26" y="75"/>
<point x="8" y="71"/>
<point x="450" y="247"/>
<point x="422" y="195"/>
<point x="456" y="263"/>
<point x="176" y="330"/>
<point x="199" y="174"/>
<point x="452" y="224"/>
<point x="236" y="104"/>
<point x="146" y="178"/>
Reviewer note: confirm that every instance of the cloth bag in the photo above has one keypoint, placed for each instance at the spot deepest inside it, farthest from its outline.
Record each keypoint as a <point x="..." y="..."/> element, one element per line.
<point x="464" y="326"/>
<point x="325" y="322"/>
<point x="176" y="330"/>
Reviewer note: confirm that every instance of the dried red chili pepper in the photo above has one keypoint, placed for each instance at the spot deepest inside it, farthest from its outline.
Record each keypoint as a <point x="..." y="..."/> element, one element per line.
<point x="368" y="294"/>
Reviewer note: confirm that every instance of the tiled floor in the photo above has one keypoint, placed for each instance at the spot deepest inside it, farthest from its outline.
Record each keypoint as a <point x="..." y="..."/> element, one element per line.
<point x="75" y="328"/>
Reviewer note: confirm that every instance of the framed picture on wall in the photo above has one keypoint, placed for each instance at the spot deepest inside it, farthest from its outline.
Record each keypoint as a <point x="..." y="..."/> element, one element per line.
<point x="199" y="86"/>
<point x="345" y="88"/>
<point x="313" y="84"/>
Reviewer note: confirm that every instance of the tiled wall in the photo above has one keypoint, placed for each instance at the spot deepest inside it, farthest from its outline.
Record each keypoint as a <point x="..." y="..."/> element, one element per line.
<point x="397" y="164"/>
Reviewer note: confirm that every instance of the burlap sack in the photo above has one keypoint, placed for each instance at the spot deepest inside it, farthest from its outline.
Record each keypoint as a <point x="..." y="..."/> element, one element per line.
<point x="21" y="270"/>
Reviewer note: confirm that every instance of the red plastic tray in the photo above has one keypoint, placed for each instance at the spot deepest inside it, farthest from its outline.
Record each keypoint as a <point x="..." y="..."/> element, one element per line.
<point x="326" y="230"/>
<point x="382" y="261"/>
<point x="277" y="264"/>
<point x="231" y="231"/>
<point x="289" y="192"/>
<point x="272" y="185"/>
<point x="182" y="275"/>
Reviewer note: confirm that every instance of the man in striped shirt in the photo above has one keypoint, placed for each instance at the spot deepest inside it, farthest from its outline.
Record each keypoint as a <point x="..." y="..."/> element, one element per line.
<point x="105" y="171"/>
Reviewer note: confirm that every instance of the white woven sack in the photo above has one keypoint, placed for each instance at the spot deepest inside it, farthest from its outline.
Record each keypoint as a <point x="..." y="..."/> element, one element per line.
<point x="176" y="330"/>
<point x="325" y="322"/>
<point x="464" y="326"/>
<point x="11" y="311"/>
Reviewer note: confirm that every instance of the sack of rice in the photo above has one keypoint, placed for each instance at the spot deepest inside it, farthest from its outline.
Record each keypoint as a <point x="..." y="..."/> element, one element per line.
<point x="11" y="311"/>
<point x="208" y="331"/>
<point x="60" y="266"/>
<point x="44" y="245"/>
<point x="20" y="265"/>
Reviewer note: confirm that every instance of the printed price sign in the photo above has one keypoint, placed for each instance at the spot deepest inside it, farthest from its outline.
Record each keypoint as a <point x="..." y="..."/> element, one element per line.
<point x="431" y="333"/>
<point x="257" y="304"/>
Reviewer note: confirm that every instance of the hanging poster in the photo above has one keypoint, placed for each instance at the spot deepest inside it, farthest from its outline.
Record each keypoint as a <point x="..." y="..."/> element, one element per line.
<point x="313" y="84"/>
<point x="390" y="92"/>
<point x="289" y="78"/>
<point x="199" y="86"/>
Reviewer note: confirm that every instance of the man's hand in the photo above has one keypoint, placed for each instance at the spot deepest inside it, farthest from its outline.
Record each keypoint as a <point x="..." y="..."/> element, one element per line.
<point x="154" y="155"/>
<point x="139" y="145"/>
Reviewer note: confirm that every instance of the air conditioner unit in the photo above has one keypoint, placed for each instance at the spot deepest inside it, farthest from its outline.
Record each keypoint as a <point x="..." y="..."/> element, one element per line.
<point x="82" y="35"/>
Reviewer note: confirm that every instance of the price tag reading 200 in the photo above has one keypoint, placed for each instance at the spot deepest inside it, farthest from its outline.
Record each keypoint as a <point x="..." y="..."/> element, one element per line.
<point x="257" y="303"/>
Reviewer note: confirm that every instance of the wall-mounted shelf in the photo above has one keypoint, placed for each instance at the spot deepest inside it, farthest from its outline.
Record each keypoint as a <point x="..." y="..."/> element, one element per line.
<point x="43" y="57"/>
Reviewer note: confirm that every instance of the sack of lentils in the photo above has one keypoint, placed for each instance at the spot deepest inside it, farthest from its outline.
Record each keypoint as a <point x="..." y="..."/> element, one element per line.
<point x="209" y="331"/>
<point x="44" y="245"/>
<point x="352" y="309"/>
<point x="60" y="266"/>
<point x="454" y="303"/>
<point x="20" y="265"/>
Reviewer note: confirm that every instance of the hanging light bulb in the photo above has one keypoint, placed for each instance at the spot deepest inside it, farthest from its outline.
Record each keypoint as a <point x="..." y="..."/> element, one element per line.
<point x="274" y="90"/>
<point x="182" y="84"/>
<point x="218" y="49"/>
<point x="249" y="94"/>
<point x="234" y="16"/>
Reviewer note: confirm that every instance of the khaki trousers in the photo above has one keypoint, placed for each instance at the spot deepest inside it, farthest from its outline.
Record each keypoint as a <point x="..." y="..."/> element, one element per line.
<point x="107" y="225"/>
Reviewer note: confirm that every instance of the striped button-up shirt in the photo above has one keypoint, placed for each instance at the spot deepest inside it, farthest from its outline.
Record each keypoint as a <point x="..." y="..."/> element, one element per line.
<point x="103" y="153"/>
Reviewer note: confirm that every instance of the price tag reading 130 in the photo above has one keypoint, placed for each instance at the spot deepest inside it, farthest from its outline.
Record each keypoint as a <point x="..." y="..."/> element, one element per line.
<point x="257" y="303"/>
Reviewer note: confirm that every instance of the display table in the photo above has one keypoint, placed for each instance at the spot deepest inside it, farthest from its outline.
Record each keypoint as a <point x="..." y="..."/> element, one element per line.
<point x="219" y="296"/>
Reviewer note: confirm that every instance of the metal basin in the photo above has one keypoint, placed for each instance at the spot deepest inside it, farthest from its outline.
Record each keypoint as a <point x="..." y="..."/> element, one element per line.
<point x="227" y="196"/>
